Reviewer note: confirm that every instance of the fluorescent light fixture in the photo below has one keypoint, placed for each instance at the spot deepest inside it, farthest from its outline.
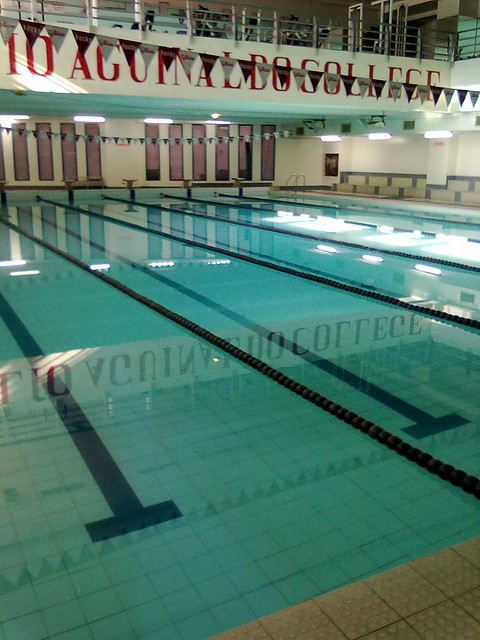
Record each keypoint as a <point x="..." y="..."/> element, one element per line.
<point x="12" y="263"/>
<point x="158" y="120"/>
<point x="159" y="264"/>
<point x="425" y="268"/>
<point x="103" y="266"/>
<point x="383" y="228"/>
<point x="215" y="116"/>
<point x="81" y="118"/>
<point x="34" y="272"/>
<point x="326" y="248"/>
<point x="331" y="138"/>
<point x="379" y="135"/>
<point x="369" y="258"/>
<point x="6" y="120"/>
<point x="431" y="135"/>
<point x="217" y="122"/>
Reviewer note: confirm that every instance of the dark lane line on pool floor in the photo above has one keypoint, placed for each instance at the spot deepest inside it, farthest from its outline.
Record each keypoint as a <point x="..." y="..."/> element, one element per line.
<point x="457" y="477"/>
<point x="128" y="512"/>
<point x="424" y="423"/>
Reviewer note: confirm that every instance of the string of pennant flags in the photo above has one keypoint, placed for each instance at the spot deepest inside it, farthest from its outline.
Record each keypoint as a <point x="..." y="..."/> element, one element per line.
<point x="332" y="81"/>
<point x="124" y="141"/>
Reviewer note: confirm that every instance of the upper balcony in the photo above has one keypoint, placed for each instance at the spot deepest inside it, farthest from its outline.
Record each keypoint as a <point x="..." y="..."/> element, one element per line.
<point x="381" y="35"/>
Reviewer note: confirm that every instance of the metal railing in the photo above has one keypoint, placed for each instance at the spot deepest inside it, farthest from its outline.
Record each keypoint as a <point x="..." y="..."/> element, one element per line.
<point x="247" y="23"/>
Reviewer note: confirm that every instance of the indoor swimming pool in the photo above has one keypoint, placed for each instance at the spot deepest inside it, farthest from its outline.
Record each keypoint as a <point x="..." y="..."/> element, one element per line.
<point x="166" y="471"/>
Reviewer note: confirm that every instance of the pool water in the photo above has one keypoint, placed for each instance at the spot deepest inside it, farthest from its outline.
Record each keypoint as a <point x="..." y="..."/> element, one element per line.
<point x="154" y="486"/>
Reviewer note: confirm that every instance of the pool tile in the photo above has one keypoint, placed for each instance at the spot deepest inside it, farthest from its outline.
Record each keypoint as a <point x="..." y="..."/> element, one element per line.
<point x="63" y="617"/>
<point x="448" y="571"/>
<point x="356" y="609"/>
<point x="444" y="621"/>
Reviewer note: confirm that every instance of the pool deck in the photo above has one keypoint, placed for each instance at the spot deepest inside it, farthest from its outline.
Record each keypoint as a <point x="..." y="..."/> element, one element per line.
<point x="436" y="597"/>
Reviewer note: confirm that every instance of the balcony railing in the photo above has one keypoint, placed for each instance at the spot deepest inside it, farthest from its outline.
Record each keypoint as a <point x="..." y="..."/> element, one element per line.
<point x="247" y="23"/>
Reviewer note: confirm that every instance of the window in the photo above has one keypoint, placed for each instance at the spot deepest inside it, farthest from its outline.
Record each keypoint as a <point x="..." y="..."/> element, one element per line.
<point x="20" y="152"/>
<point x="268" y="152"/>
<point x="44" y="151"/>
<point x="152" y="152"/>
<point x="222" y="153"/>
<point x="175" y="131"/>
<point x="245" y="151"/>
<point x="94" y="162"/>
<point x="199" y="152"/>
<point x="69" y="151"/>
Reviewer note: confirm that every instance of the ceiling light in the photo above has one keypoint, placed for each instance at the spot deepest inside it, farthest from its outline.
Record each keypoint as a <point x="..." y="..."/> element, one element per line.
<point x="158" y="121"/>
<point x="331" y="138"/>
<point x="431" y="135"/>
<point x="103" y="266"/>
<point x="425" y="268"/>
<point x="326" y="248"/>
<point x="217" y="122"/>
<point x="81" y="118"/>
<point x="379" y="135"/>
<point x="215" y="116"/>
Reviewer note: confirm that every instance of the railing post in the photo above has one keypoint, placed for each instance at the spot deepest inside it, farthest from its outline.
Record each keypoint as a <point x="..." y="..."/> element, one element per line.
<point x="189" y="13"/>
<point x="315" y="32"/>
<point x="33" y="10"/>
<point x="88" y="11"/>
<point x="275" y="37"/>
<point x="419" y="44"/>
<point x="234" y="21"/>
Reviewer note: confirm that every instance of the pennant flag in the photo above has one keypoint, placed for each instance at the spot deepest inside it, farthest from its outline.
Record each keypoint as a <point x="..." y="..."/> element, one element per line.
<point x="32" y="30"/>
<point x="395" y="89"/>
<point x="378" y="86"/>
<point x="208" y="61"/>
<point x="348" y="82"/>
<point x="409" y="89"/>
<point x="462" y="94"/>
<point x="187" y="58"/>
<point x="315" y="77"/>
<point x="228" y="65"/>
<point x="168" y="55"/>
<point x="264" y="70"/>
<point x="436" y="93"/>
<point x="448" y="95"/>
<point x="364" y="85"/>
<point x="129" y="48"/>
<point x="57" y="36"/>
<point x="7" y="27"/>
<point x="83" y="40"/>
<point x="299" y="76"/>
<point x="474" y="95"/>
<point x="423" y="92"/>
<point x="147" y="51"/>
<point x="107" y="45"/>
<point x="332" y="80"/>
<point x="283" y="74"/>
<point x="247" y="67"/>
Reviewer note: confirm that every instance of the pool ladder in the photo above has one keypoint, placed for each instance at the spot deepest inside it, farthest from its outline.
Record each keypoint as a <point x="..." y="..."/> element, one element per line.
<point x="296" y="178"/>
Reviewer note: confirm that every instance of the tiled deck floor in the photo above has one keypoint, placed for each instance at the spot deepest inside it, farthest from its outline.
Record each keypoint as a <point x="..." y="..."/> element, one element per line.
<point x="433" y="598"/>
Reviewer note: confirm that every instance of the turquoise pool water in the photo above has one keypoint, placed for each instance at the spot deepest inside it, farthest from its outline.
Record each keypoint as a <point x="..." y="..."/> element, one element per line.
<point x="261" y="499"/>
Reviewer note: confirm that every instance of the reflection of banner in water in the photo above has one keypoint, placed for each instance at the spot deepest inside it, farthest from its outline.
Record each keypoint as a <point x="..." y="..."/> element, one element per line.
<point x="134" y="368"/>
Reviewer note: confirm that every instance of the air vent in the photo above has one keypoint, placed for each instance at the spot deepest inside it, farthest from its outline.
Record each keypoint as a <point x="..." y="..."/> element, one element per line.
<point x="299" y="131"/>
<point x="408" y="125"/>
<point x="467" y="297"/>
<point x="346" y="127"/>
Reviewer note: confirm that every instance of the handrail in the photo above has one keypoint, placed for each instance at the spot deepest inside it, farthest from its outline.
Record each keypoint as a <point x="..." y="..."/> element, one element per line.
<point x="248" y="23"/>
<point x="295" y="182"/>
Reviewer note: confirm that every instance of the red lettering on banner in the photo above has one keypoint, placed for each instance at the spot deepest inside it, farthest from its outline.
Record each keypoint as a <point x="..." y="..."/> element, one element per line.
<point x="101" y="70"/>
<point x="204" y="76"/>
<point x="304" y="66"/>
<point x="338" y="71"/>
<point x="49" y="57"/>
<point x="408" y="75"/>
<point x="80" y="64"/>
<point x="253" y="85"/>
<point x="350" y="74"/>
<point x="4" y="398"/>
<point x="226" y="84"/>
<point x="51" y="386"/>
<point x="133" y="72"/>
<point x="12" y="56"/>
<point x="276" y="80"/>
